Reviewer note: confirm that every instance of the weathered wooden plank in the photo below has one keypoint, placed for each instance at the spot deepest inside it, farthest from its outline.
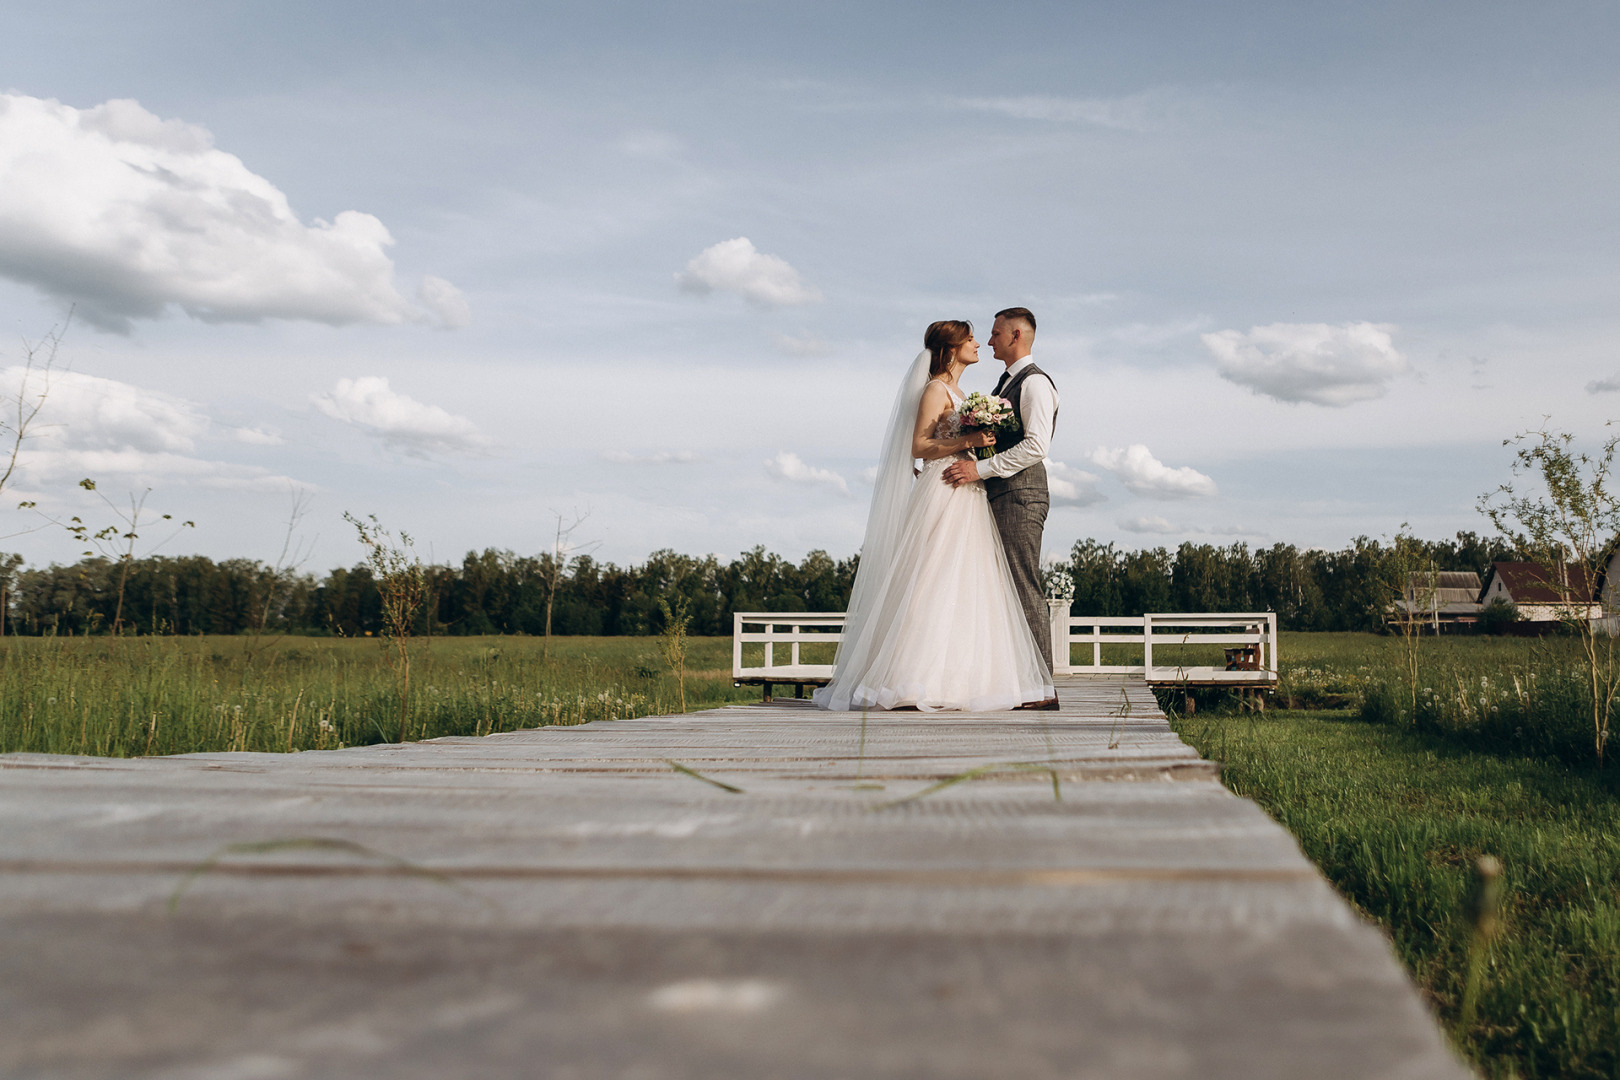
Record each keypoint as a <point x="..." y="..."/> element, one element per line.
<point x="564" y="902"/>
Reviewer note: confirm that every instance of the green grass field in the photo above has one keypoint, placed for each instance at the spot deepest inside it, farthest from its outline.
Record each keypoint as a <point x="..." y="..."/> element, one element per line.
<point x="1394" y="813"/>
<point x="158" y="695"/>
<point x="172" y="695"/>
<point x="1341" y="666"/>
<point x="1321" y="668"/>
<point x="1396" y="818"/>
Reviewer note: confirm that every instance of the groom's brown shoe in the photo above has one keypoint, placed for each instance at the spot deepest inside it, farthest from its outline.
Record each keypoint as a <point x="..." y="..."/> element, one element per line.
<point x="1049" y="703"/>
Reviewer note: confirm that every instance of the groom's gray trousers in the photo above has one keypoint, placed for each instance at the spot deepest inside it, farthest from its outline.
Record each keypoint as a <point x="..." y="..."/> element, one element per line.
<point x="1019" y="504"/>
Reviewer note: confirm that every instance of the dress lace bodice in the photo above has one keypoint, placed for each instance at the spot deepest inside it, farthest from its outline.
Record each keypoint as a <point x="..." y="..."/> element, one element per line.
<point x="950" y="425"/>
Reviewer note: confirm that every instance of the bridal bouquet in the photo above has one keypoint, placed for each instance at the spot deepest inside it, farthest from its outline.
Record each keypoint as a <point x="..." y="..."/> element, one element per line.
<point x="993" y="413"/>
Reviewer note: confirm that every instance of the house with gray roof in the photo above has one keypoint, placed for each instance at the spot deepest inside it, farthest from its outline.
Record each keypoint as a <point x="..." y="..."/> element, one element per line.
<point x="1444" y="599"/>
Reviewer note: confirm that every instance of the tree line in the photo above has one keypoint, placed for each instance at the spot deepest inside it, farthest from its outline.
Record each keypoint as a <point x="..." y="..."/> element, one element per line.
<point x="1309" y="588"/>
<point x="500" y="592"/>
<point x="489" y="592"/>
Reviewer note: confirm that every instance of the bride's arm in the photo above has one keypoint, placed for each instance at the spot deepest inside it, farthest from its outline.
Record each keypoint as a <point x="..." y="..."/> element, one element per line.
<point x="935" y="404"/>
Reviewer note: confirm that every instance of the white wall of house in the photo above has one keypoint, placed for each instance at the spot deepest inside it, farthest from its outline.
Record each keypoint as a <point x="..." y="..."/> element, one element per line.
<point x="1556" y="612"/>
<point x="1610" y="596"/>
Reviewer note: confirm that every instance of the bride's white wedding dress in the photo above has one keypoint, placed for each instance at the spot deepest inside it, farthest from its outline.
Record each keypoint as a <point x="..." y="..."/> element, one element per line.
<point x="934" y="619"/>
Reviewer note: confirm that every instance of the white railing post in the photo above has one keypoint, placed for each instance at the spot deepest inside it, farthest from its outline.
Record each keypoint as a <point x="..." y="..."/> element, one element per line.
<point x="770" y="644"/>
<point x="1271" y="645"/>
<point x="1057" y="622"/>
<point x="1096" y="644"/>
<point x="736" y="644"/>
<point x="795" y="653"/>
<point x="1147" y="645"/>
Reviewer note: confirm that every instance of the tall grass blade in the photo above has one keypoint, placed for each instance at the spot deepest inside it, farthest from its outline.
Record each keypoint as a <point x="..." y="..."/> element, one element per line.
<point x="694" y="774"/>
<point x="974" y="774"/>
<point x="313" y="843"/>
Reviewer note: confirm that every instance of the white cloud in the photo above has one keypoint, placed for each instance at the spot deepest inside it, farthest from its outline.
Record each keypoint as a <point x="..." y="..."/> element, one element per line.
<point x="83" y="412"/>
<point x="1152" y="525"/>
<point x="1234" y="530"/>
<point x="1151" y="335"/>
<point x="787" y="466"/>
<point x="403" y="422"/>
<point x="1132" y="113"/>
<point x="125" y="214"/>
<point x="735" y="266"/>
<point x="445" y="301"/>
<point x="1071" y="486"/>
<point x="805" y="344"/>
<point x="650" y="144"/>
<point x="141" y="468"/>
<point x="90" y="426"/>
<point x="1144" y="474"/>
<point x="256" y="436"/>
<point x="658" y="457"/>
<point x="1604" y="386"/>
<point x="1309" y="362"/>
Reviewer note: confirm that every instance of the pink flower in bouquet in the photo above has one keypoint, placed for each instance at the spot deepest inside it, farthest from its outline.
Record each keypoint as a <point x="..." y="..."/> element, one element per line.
<point x="981" y="413"/>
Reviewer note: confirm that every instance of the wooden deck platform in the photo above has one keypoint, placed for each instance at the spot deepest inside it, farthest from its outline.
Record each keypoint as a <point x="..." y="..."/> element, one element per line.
<point x="566" y="903"/>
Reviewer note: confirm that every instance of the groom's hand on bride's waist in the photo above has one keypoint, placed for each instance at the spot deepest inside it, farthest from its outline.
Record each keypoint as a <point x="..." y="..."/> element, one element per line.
<point x="962" y="472"/>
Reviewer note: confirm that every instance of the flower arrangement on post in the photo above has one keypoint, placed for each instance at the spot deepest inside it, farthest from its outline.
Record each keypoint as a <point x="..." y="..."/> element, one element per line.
<point x="980" y="413"/>
<point x="1059" y="584"/>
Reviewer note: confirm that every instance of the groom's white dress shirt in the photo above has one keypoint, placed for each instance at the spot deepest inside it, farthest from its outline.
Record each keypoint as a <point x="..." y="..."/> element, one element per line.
<point x="1038" y="401"/>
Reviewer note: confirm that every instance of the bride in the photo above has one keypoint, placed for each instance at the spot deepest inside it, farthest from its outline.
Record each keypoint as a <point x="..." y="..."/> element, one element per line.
<point x="934" y="621"/>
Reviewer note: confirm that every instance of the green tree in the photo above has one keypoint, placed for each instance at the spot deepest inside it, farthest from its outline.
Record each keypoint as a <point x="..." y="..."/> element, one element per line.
<point x="1568" y="527"/>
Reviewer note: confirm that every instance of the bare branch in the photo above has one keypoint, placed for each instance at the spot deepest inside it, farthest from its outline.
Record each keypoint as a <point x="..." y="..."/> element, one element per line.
<point x="295" y="551"/>
<point x="555" y="563"/>
<point x="19" y="413"/>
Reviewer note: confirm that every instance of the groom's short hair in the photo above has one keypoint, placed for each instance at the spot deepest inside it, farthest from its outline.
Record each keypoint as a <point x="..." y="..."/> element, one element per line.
<point x="1018" y="313"/>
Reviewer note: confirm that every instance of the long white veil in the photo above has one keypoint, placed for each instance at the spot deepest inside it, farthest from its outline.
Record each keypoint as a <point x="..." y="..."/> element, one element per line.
<point x="887" y="515"/>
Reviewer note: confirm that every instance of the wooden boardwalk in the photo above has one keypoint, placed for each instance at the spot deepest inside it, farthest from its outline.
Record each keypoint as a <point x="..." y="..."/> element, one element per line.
<point x="565" y="903"/>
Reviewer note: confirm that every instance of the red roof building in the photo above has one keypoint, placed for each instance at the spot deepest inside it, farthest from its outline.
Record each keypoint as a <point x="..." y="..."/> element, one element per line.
<point x="1539" y="596"/>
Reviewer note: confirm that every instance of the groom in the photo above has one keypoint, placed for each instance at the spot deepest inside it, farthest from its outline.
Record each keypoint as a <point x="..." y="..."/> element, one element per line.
<point x="1015" y="478"/>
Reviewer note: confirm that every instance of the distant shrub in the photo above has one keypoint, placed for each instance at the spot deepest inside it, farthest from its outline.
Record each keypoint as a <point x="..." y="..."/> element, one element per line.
<point x="1497" y="616"/>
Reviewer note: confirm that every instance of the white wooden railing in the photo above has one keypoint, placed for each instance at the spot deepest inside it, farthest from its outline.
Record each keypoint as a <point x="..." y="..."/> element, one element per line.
<point x="792" y="629"/>
<point x="1248" y="641"/>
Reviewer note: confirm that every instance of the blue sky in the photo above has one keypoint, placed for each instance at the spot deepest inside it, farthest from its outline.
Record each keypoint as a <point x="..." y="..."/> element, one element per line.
<point x="1300" y="269"/>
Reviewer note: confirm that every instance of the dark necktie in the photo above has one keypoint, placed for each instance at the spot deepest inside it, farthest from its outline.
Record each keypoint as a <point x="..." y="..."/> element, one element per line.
<point x="1001" y="384"/>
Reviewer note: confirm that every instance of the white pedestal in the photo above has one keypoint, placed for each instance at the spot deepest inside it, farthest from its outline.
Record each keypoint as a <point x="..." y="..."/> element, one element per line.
<point x="1058" y="613"/>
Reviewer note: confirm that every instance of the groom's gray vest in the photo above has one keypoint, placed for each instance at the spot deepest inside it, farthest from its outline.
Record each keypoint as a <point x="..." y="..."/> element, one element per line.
<point x="1035" y="475"/>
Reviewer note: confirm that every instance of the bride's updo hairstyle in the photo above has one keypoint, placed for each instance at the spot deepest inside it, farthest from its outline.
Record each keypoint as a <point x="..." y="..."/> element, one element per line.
<point x="942" y="339"/>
